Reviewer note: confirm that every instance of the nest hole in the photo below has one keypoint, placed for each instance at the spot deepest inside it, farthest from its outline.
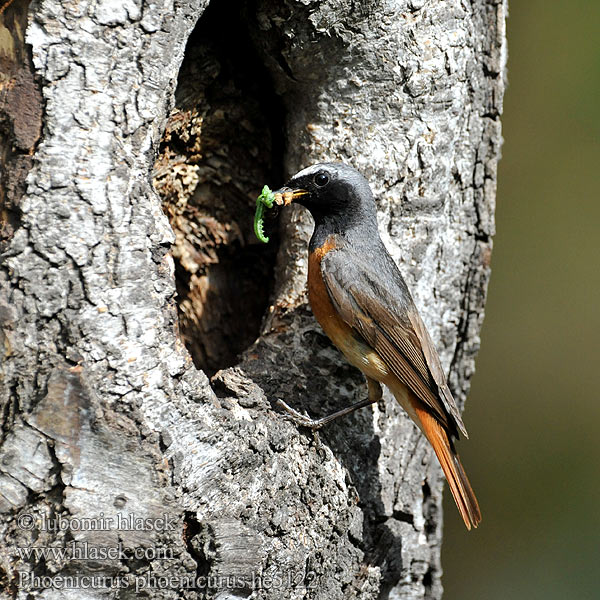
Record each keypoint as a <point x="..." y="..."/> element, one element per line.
<point x="222" y="143"/>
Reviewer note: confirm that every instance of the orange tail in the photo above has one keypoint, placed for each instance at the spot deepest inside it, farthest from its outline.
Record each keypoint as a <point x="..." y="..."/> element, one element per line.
<point x="453" y="470"/>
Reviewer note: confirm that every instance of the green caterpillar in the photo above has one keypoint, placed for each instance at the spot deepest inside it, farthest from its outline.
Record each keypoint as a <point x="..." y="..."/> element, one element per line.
<point x="266" y="198"/>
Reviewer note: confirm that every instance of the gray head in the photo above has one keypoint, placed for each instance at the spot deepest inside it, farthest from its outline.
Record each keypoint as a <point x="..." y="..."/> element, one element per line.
<point x="336" y="194"/>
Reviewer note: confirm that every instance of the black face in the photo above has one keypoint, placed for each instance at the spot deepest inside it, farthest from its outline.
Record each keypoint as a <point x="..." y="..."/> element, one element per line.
<point x="312" y="184"/>
<point x="331" y="190"/>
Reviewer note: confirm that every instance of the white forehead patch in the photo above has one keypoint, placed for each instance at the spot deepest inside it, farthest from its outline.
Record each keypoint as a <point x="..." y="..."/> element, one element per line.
<point x="309" y="170"/>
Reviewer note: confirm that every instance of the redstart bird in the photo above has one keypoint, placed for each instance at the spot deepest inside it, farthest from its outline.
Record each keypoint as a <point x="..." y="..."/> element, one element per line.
<point x="361" y="301"/>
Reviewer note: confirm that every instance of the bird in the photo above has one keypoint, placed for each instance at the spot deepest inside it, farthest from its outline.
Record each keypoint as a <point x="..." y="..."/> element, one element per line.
<point x="360" y="299"/>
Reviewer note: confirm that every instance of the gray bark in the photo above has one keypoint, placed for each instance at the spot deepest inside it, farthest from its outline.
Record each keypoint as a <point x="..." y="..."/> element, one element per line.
<point x="105" y="416"/>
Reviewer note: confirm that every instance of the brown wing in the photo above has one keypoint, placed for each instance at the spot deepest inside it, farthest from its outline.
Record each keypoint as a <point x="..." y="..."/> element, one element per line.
<point x="435" y="367"/>
<point x="374" y="300"/>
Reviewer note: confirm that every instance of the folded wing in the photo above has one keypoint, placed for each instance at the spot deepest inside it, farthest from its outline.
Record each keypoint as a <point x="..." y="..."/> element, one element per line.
<point x="373" y="299"/>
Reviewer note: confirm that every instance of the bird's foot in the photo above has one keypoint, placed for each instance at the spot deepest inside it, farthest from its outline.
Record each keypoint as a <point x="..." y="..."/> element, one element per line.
<point x="303" y="420"/>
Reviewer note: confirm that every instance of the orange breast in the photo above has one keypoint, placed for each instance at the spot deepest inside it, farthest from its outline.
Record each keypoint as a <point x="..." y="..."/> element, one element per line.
<point x="339" y="332"/>
<point x="320" y="302"/>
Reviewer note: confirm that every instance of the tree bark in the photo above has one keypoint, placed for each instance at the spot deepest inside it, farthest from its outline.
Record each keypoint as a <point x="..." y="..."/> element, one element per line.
<point x="116" y="451"/>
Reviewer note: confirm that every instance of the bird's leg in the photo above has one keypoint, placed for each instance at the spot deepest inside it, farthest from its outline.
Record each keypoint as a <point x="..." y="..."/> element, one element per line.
<point x="375" y="394"/>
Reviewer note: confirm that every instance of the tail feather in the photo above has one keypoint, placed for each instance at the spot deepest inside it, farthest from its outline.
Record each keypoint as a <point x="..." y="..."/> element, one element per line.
<point x="453" y="470"/>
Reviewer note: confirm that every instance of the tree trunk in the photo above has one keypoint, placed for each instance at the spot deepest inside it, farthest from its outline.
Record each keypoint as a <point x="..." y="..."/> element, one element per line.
<point x="121" y="464"/>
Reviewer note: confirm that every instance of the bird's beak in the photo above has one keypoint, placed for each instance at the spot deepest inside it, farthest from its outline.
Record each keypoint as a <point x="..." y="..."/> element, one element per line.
<point x="286" y="195"/>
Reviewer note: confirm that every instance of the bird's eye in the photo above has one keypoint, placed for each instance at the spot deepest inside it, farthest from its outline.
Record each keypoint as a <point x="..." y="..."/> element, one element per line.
<point x="321" y="179"/>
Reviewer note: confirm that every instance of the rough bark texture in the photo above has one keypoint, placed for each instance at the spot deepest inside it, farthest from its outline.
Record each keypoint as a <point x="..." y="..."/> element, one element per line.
<point x="104" y="415"/>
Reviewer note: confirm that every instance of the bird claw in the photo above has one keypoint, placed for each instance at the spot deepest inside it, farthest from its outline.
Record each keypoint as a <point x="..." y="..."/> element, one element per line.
<point x="303" y="420"/>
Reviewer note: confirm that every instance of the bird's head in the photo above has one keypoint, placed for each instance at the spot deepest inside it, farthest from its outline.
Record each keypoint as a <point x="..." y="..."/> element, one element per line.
<point x="332" y="192"/>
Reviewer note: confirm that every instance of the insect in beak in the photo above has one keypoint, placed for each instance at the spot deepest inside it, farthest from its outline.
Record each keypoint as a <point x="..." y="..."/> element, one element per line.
<point x="285" y="195"/>
<point x="267" y="198"/>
